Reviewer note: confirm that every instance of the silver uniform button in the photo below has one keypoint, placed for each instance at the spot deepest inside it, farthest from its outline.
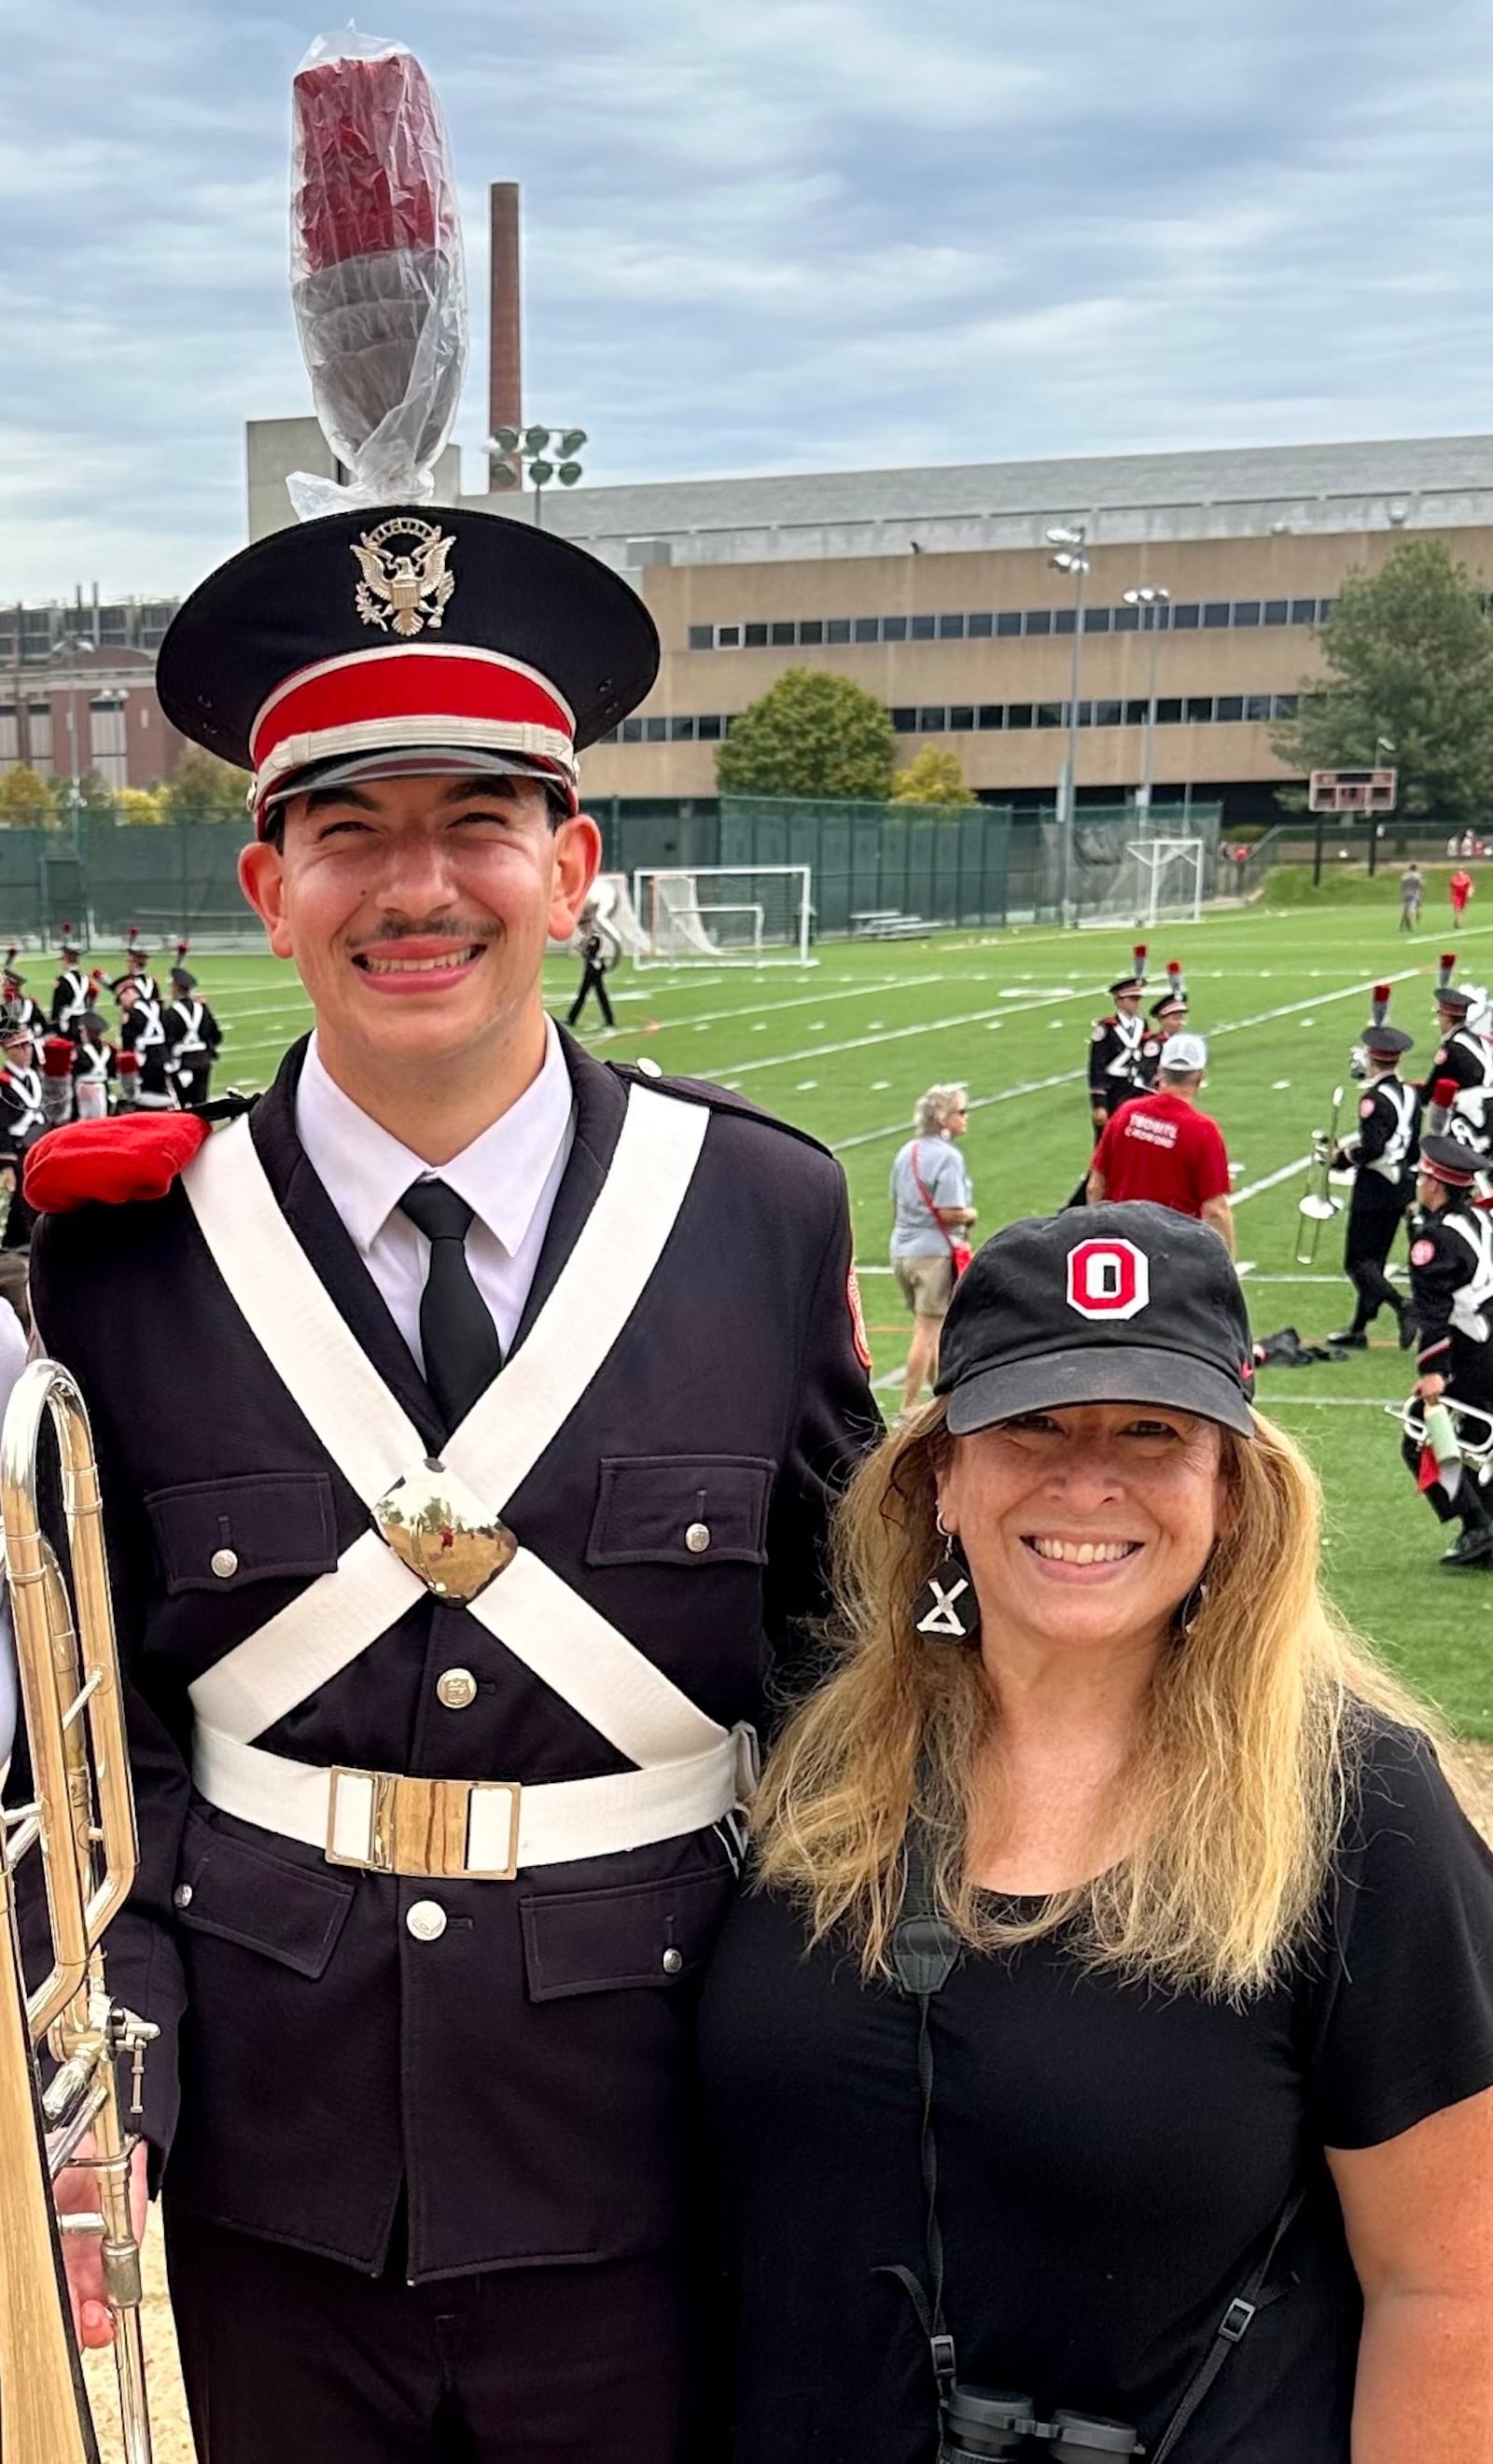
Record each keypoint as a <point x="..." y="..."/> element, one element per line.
<point x="673" y="1962"/>
<point x="182" y="1896"/>
<point x="697" y="1538"/>
<point x="650" y="1068"/>
<point x="426" y="1921"/>
<point x="224" y="1562"/>
<point x="456" y="1688"/>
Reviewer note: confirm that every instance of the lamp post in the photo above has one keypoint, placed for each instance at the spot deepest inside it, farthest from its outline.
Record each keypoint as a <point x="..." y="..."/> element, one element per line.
<point x="549" y="452"/>
<point x="1150" y="598"/>
<point x="1381" y="744"/>
<point x="73" y="645"/>
<point x="1070" y="540"/>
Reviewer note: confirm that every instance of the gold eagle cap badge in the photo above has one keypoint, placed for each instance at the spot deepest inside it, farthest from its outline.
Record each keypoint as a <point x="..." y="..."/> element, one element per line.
<point x="404" y="589"/>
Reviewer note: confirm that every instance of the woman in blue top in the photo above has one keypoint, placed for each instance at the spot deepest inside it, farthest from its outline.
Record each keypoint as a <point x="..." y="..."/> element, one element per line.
<point x="931" y="1206"/>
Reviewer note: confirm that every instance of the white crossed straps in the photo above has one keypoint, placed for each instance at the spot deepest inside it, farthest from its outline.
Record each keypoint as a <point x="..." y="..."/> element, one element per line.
<point x="690" y="1769"/>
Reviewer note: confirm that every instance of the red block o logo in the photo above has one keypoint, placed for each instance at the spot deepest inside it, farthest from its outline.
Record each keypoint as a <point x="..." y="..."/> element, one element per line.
<point x="1108" y="1279"/>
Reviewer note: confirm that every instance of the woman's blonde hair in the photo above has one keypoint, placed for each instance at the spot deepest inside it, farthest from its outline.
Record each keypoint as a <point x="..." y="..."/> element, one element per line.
<point x="1234" y="1791"/>
<point x="931" y="1113"/>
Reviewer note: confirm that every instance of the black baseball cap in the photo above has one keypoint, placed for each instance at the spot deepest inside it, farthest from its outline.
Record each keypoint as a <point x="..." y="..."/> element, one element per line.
<point x="1121" y="1303"/>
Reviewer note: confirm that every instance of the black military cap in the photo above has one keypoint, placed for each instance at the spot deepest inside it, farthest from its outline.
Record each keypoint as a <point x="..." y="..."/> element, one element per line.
<point x="333" y="648"/>
<point x="69" y="950"/>
<point x="1451" y="1162"/>
<point x="1126" y="984"/>
<point x="1451" y="997"/>
<point x="1170" y="1005"/>
<point x="1110" y="1304"/>
<point x="1387" y="1041"/>
<point x="184" y="977"/>
<point x="92" y="1024"/>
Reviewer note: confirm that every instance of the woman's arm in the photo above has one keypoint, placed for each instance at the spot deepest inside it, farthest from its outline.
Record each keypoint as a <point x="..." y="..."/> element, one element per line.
<point x="1418" y="2211"/>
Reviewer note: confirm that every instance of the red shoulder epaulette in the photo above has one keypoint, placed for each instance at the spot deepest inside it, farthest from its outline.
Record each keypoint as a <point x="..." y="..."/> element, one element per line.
<point x="111" y="1163"/>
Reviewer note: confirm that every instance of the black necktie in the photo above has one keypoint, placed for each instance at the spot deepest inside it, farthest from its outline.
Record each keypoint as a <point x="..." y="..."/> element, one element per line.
<point x="457" y="1335"/>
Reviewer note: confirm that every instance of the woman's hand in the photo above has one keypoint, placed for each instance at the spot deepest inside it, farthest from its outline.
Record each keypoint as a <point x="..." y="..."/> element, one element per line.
<point x="76" y="2193"/>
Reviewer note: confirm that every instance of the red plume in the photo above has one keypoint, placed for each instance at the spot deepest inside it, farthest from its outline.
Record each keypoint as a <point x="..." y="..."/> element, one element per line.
<point x="1445" y="971"/>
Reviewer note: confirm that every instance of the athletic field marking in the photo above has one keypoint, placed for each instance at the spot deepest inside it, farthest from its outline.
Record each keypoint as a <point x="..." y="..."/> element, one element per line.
<point x="1273" y="1180"/>
<point x="895" y="1035"/>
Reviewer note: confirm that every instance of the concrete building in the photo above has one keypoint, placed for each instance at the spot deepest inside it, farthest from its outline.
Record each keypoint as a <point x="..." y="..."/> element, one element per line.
<point x="935" y="589"/>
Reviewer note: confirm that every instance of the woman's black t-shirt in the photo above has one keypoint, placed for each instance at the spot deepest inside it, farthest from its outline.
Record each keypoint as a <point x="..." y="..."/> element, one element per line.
<point x="1111" y="2158"/>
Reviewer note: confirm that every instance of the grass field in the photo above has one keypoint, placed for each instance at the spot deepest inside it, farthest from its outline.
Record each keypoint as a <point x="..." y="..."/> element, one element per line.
<point x="1281" y="990"/>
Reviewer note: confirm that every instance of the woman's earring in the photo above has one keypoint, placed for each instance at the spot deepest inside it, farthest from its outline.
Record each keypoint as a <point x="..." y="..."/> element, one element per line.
<point x="1192" y="1609"/>
<point x="946" y="1607"/>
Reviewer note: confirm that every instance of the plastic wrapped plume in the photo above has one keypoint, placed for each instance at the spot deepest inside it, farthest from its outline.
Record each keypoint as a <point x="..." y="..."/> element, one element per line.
<point x="376" y="271"/>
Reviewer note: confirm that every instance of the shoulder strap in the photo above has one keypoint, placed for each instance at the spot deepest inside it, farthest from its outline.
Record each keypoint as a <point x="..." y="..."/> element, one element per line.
<point x="928" y="1204"/>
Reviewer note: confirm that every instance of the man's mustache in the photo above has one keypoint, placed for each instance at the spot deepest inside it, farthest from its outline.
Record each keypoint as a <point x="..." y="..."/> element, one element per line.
<point x="438" y="927"/>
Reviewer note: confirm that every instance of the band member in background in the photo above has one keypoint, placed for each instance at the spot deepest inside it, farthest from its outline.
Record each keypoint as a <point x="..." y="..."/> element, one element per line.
<point x="22" y="1122"/>
<point x="192" y="1036"/>
<point x="598" y="951"/>
<point x="92" y="1067"/>
<point x="1459" y="1079"/>
<point x="143" y="1036"/>
<point x="1116" y="1064"/>
<point x="19" y="1008"/>
<point x="1381" y="1153"/>
<point x="1166" y="1017"/>
<point x="543" y="1374"/>
<point x="71" y="993"/>
<point x="1451" y="1292"/>
<point x="136" y="972"/>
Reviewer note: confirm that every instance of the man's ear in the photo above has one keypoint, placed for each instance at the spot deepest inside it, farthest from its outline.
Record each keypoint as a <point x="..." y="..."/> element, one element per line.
<point x="261" y="877"/>
<point x="578" y="860"/>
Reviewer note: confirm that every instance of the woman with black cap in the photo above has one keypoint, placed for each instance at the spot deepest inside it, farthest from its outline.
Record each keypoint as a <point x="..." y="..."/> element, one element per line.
<point x="1104" y="2062"/>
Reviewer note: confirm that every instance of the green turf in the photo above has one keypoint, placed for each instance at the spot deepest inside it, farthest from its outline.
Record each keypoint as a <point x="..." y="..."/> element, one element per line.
<point x="845" y="1048"/>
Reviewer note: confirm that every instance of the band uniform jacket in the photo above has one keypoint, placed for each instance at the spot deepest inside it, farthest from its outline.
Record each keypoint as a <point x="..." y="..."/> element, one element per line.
<point x="1116" y="1060"/>
<point x="1465" y="1057"/>
<point x="72" y="996"/>
<point x="192" y="1036"/>
<point x="1385" y="1144"/>
<point x="142" y="1033"/>
<point x="524" y="2077"/>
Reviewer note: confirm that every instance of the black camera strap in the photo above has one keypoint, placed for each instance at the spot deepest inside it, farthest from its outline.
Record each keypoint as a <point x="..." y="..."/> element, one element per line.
<point x="925" y="1950"/>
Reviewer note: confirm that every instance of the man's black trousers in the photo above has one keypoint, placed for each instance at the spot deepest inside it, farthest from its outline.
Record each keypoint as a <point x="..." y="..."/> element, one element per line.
<point x="291" y="2359"/>
<point x="592" y="981"/>
<point x="1374" y="1214"/>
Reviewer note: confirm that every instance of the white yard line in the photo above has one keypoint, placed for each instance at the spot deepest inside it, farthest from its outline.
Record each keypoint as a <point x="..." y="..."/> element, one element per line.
<point x="732" y="1070"/>
<point x="1273" y="1180"/>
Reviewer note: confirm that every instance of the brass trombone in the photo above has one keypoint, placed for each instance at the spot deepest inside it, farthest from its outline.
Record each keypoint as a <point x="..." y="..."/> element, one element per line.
<point x="80" y="1821"/>
<point x="1318" y="1205"/>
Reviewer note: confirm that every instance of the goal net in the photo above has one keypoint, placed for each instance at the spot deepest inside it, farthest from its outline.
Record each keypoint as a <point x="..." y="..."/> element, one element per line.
<point x="751" y="916"/>
<point x="1161" y="878"/>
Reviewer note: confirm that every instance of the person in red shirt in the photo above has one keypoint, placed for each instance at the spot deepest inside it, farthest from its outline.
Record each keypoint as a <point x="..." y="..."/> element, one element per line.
<point x="1460" y="890"/>
<point x="1161" y="1146"/>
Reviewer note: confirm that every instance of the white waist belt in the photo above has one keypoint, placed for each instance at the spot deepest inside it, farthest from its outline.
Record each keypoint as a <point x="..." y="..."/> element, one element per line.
<point x="476" y="1830"/>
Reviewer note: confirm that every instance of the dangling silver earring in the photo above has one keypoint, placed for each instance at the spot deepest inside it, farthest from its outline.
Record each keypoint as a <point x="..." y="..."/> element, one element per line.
<point x="1192" y="1609"/>
<point x="946" y="1607"/>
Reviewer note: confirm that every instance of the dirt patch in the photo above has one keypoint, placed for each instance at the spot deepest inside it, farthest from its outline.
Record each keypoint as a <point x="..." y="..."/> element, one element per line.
<point x="1473" y="1773"/>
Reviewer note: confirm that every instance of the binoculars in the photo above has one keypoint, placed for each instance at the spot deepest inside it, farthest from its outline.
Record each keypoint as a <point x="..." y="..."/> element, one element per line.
<point x="981" y="2423"/>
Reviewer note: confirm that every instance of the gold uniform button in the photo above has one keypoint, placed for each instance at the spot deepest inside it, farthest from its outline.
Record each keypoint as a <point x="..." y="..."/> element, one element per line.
<point x="456" y="1688"/>
<point x="673" y="1962"/>
<point x="224" y="1562"/>
<point x="426" y="1921"/>
<point x="697" y="1538"/>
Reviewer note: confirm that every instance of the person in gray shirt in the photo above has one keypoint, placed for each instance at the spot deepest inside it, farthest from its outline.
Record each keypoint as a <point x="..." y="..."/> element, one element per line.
<point x="931" y="1205"/>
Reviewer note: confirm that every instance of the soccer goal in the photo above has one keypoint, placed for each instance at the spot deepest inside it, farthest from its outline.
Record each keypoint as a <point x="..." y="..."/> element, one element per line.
<point x="751" y="916"/>
<point x="1162" y="879"/>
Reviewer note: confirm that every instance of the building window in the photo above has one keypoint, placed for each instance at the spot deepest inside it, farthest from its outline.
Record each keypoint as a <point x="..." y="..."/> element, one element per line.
<point x="707" y="730"/>
<point x="755" y="636"/>
<point x="1277" y="612"/>
<point x="681" y="731"/>
<point x="1184" y="619"/>
<point x="1127" y="620"/>
<point x="1136" y="714"/>
<point x="728" y="637"/>
<point x="1039" y="619"/>
<point x="1051" y="714"/>
<point x="951" y="628"/>
<point x="1065" y="620"/>
<point x="867" y="629"/>
<point x="992" y="714"/>
<point x="1246" y="611"/>
<point x="655" y="731"/>
<point x="932" y="722"/>
<point x="1169" y="714"/>
<point x="1085" y="713"/>
<point x="632" y="731"/>
<point x="811" y="631"/>
<point x="39" y="727"/>
<point x="904" y="722"/>
<point x="922" y="628"/>
<point x="1325" y="608"/>
<point x="1096" y="620"/>
<point x="1257" y="706"/>
<point x="1018" y="714"/>
<point x="1008" y="624"/>
<point x="108" y="740"/>
<point x="1200" y="710"/>
<point x="893" y="628"/>
<point x="612" y="736"/>
<point x="1283" y="705"/>
<point x="1215" y="615"/>
<point x="1303" y="611"/>
<point x="1228" y="708"/>
<point x="782" y="636"/>
<point x="838" y="628"/>
<point x="961" y="718"/>
<point x="981" y="625"/>
<point x="702" y="637"/>
<point x="1107" y="714"/>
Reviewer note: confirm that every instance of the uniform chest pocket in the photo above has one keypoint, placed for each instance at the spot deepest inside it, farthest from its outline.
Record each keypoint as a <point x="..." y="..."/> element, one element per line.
<point x="633" y="1934"/>
<point x="217" y="1536"/>
<point x="245" y="1894"/>
<point x="682" y="1510"/>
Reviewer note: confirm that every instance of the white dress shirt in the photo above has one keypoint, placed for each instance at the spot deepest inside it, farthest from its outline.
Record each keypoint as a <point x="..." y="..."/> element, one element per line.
<point x="508" y="1176"/>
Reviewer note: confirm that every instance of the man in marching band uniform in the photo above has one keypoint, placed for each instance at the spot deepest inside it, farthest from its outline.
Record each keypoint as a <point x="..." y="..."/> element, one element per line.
<point x="1460" y="1081"/>
<point x="1381" y="1153"/>
<point x="1167" y="1016"/>
<point x="92" y="1067"/>
<point x="142" y="1035"/>
<point x="445" y="1648"/>
<point x="22" y="1122"/>
<point x="1451" y="1286"/>
<point x="1116" y="1055"/>
<point x="136" y="972"/>
<point x="192" y="1036"/>
<point x="19" y="1008"/>
<point x="71" y="994"/>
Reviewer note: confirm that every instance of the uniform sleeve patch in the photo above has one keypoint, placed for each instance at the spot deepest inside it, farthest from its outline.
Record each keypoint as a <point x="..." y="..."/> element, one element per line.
<point x="1098" y="1035"/>
<point x="1422" y="1252"/>
<point x="858" y="1335"/>
<point x="1366" y="1109"/>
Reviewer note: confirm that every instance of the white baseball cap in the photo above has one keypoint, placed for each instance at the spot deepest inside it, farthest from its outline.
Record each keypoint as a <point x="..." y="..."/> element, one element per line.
<point x="1182" y="1054"/>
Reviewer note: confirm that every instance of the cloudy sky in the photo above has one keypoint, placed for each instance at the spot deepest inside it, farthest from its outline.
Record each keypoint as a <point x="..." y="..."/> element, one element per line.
<point x="759" y="235"/>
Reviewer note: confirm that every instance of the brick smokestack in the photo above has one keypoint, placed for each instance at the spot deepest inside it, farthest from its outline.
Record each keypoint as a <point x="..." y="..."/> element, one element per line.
<point x="505" y="343"/>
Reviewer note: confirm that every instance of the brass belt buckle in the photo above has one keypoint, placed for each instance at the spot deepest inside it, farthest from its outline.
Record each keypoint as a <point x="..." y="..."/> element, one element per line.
<point x="426" y="1829"/>
<point x="445" y="1533"/>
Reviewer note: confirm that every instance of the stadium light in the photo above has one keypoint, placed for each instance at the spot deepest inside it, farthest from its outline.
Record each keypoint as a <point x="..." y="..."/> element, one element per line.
<point x="1150" y="598"/>
<point x="509" y="449"/>
<point x="1070" y="539"/>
